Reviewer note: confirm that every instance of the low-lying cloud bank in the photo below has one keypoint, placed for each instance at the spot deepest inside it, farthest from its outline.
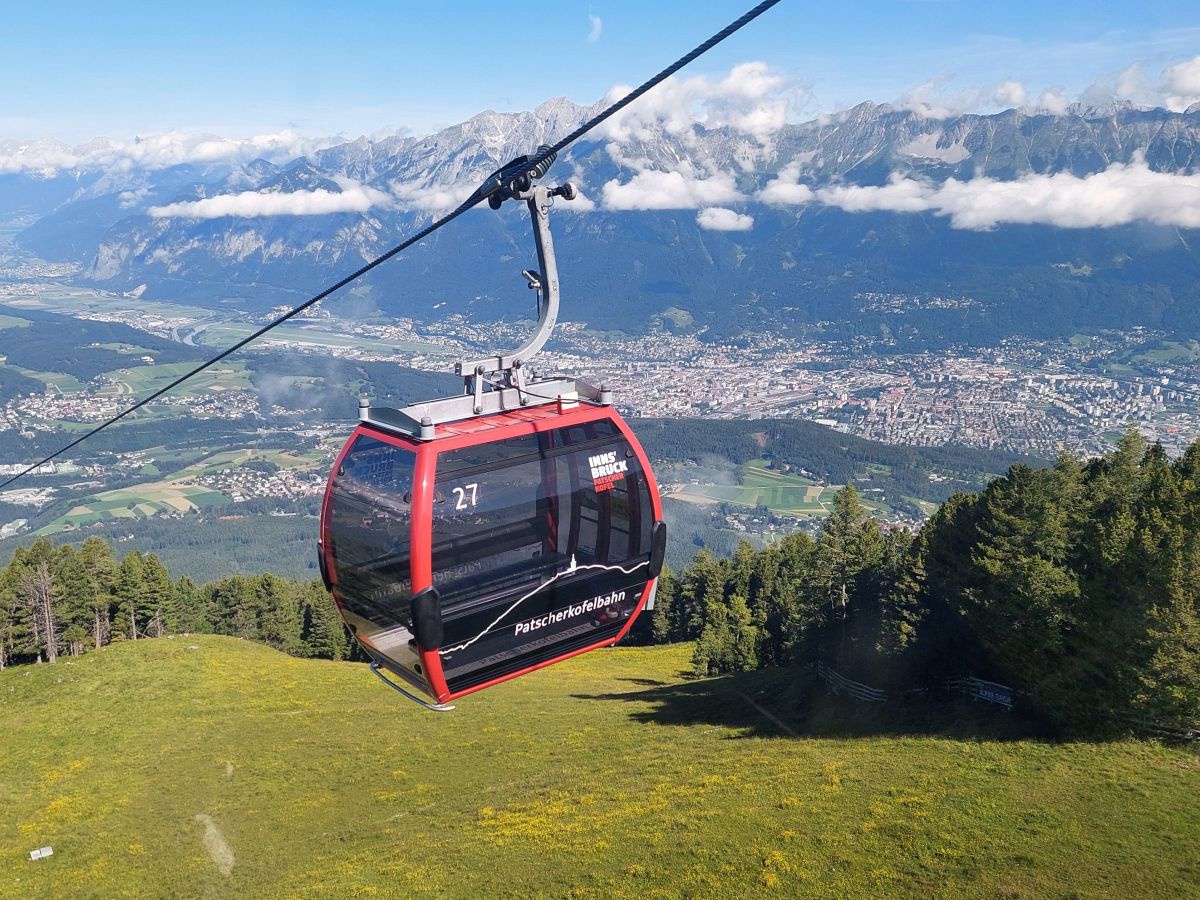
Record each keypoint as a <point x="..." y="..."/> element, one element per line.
<point x="717" y="218"/>
<point x="352" y="198"/>
<point x="159" y="151"/>
<point x="1119" y="195"/>
<point x="1175" y="88"/>
<point x="655" y="189"/>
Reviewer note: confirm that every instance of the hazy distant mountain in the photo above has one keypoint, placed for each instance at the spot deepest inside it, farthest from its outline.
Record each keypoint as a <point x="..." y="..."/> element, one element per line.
<point x="625" y="261"/>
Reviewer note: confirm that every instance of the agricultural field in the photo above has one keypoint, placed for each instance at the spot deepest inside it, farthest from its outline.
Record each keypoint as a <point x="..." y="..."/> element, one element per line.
<point x="207" y="766"/>
<point x="784" y="494"/>
<point x="178" y="493"/>
<point x="12" y="322"/>
<point x="138" y="381"/>
<point x="141" y="501"/>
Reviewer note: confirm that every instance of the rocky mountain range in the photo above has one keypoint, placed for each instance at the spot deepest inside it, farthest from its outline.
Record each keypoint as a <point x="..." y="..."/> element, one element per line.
<point x="1038" y="223"/>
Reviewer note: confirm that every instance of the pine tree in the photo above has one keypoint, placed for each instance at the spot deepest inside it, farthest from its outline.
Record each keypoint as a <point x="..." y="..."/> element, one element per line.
<point x="840" y="548"/>
<point x="324" y="634"/>
<point x="190" y="609"/>
<point x="73" y="591"/>
<point x="661" y="631"/>
<point x="131" y="614"/>
<point x="36" y="589"/>
<point x="158" y="597"/>
<point x="687" y="611"/>
<point x="97" y="558"/>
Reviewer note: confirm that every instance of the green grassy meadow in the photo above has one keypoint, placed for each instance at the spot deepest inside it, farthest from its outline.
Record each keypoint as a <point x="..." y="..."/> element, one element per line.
<point x="175" y="493"/>
<point x="200" y="766"/>
<point x="789" y="495"/>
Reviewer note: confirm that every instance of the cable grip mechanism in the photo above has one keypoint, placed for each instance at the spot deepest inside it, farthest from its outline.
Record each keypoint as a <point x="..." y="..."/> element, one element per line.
<point x="516" y="181"/>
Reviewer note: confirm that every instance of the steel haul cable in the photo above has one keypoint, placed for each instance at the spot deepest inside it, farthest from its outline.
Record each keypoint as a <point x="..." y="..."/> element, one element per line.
<point x="543" y="154"/>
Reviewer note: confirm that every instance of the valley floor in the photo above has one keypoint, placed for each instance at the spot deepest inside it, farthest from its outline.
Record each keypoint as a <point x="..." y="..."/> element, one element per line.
<point x="205" y="766"/>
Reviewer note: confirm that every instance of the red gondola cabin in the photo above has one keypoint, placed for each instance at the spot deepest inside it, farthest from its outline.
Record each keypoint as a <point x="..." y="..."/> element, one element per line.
<point x="506" y="543"/>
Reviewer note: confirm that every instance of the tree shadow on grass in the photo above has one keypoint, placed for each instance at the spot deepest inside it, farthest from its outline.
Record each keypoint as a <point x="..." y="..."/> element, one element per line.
<point x="783" y="703"/>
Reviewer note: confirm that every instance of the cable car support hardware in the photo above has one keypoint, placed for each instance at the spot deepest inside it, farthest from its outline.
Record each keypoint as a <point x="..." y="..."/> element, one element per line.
<point x="512" y="385"/>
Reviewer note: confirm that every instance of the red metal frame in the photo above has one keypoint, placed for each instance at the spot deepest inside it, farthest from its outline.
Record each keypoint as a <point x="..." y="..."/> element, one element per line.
<point x="471" y="433"/>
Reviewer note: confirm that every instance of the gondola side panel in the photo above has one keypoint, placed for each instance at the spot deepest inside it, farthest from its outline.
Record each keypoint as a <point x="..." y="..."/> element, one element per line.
<point x="366" y="537"/>
<point x="532" y="572"/>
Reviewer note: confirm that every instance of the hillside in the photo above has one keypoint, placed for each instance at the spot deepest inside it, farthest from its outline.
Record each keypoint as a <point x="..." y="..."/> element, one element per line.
<point x="197" y="765"/>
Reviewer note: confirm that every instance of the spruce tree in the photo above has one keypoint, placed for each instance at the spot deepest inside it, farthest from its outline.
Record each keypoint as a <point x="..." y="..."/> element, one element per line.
<point x="130" y="609"/>
<point x="97" y="558"/>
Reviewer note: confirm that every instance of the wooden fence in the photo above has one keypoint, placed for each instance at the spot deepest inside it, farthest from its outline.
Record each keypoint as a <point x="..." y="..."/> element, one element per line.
<point x="838" y="684"/>
<point x="987" y="691"/>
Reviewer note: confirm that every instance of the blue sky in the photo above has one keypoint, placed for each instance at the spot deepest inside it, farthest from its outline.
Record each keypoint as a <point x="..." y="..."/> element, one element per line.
<point x="74" y="70"/>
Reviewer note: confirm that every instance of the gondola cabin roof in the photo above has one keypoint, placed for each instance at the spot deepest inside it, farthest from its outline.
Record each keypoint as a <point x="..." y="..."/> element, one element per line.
<point x="482" y="428"/>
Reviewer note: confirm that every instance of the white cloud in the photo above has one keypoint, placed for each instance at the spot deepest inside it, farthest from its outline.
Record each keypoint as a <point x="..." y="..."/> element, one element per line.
<point x="669" y="190"/>
<point x="935" y="100"/>
<point x="1119" y="195"/>
<point x="1181" y="84"/>
<point x="1010" y="94"/>
<point x="250" y="204"/>
<point x="130" y="199"/>
<point x="155" y="151"/>
<point x="581" y="204"/>
<point x="717" y="218"/>
<point x="430" y="198"/>
<point x="597" y="27"/>
<point x="751" y="99"/>
<point x="785" y="188"/>
<point x="1054" y="100"/>
<point x="1176" y="88"/>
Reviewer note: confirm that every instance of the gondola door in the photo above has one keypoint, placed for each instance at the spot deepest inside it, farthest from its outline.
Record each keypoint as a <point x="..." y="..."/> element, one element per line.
<point x="542" y="547"/>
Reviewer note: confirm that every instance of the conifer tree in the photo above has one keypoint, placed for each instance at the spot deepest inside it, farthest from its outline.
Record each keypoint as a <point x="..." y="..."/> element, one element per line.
<point x="191" y="614"/>
<point x="96" y="557"/>
<point x="130" y="613"/>
<point x="324" y="633"/>
<point x="157" y="597"/>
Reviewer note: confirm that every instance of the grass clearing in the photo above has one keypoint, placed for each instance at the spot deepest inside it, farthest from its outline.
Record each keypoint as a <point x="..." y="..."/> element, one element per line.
<point x="781" y="493"/>
<point x="204" y="765"/>
<point x="13" y="322"/>
<point x="141" y="380"/>
<point x="64" y="383"/>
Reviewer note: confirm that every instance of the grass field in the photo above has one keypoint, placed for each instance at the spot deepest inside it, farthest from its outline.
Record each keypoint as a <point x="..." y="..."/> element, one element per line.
<point x="211" y="767"/>
<point x="173" y="494"/>
<point x="64" y="383"/>
<point x="141" y="380"/>
<point x="140" y="501"/>
<point x="12" y="322"/>
<point x="789" y="495"/>
<point x="1170" y="351"/>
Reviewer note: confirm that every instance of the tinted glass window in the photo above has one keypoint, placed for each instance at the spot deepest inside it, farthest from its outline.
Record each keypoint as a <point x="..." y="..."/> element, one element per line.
<point x="369" y="529"/>
<point x="507" y="528"/>
<point x="508" y="519"/>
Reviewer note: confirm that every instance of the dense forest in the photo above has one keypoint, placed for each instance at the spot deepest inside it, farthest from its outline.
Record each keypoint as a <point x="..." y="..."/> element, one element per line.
<point x="58" y="601"/>
<point x="82" y="347"/>
<point x="1078" y="585"/>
